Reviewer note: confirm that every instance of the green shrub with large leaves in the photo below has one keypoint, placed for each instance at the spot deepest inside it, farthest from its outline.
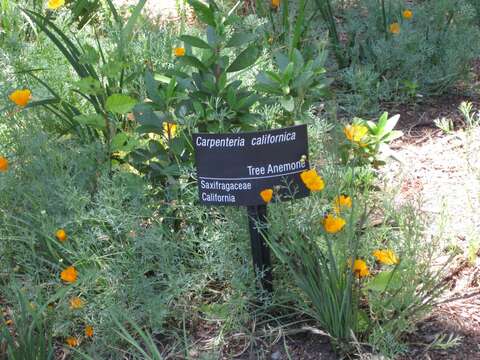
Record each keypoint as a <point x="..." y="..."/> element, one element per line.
<point x="296" y="83"/>
<point x="216" y="94"/>
<point x="202" y="93"/>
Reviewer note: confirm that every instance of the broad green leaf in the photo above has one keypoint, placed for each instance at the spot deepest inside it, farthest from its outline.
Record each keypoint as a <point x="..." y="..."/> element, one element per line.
<point x="120" y="103"/>
<point x="240" y="38"/>
<point x="170" y="91"/>
<point x="89" y="85"/>
<point x="177" y="145"/>
<point x="288" y="73"/>
<point x="246" y="58"/>
<point x="192" y="61"/>
<point x="288" y="103"/>
<point x="94" y="120"/>
<point x="304" y="81"/>
<point x="381" y="123"/>
<point x="119" y="141"/>
<point x="146" y="117"/>
<point x="392" y="135"/>
<point x="212" y="36"/>
<point x="203" y="12"/>
<point x="269" y="89"/>
<point x="298" y="59"/>
<point x="194" y="41"/>
<point x="371" y="126"/>
<point x="245" y="103"/>
<point x="281" y="60"/>
<point x="386" y="280"/>
<point x="162" y="78"/>
<point x="151" y="86"/>
<point x="391" y="123"/>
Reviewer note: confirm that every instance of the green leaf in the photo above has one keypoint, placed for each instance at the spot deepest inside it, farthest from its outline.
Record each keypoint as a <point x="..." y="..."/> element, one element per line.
<point x="177" y="145"/>
<point x="288" y="103"/>
<point x="246" y="102"/>
<point x="94" y="120"/>
<point x="89" y="56"/>
<point x="146" y="117"/>
<point x="298" y="59"/>
<point x="239" y="39"/>
<point x="212" y="36"/>
<point x="246" y="58"/>
<point x="162" y="78"/>
<point x="120" y="103"/>
<point x="381" y="123"/>
<point x="288" y="73"/>
<point x="151" y="86"/>
<point x="391" y="123"/>
<point x="189" y="60"/>
<point x="194" y="41"/>
<point x="127" y="31"/>
<point x="112" y="69"/>
<point x="392" y="135"/>
<point x="385" y="280"/>
<point x="203" y="12"/>
<point x="89" y="85"/>
<point x="281" y="60"/>
<point x="119" y="141"/>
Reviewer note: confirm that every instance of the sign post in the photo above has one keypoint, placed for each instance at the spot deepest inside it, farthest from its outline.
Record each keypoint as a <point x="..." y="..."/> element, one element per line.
<point x="234" y="168"/>
<point x="257" y="223"/>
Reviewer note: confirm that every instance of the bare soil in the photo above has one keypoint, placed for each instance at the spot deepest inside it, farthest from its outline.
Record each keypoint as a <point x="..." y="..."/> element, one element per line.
<point x="443" y="171"/>
<point x="155" y="9"/>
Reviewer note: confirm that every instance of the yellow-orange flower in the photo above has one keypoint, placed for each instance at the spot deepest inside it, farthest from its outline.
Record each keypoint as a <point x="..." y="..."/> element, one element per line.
<point x="61" y="235"/>
<point x="55" y="4"/>
<point x="266" y="195"/>
<point x="21" y="97"/>
<point x="394" y="28"/>
<point x="179" y="51"/>
<point x="8" y="322"/>
<point x="333" y="224"/>
<point x="69" y="275"/>
<point x="3" y="164"/>
<point x="72" y="341"/>
<point x="341" y="202"/>
<point x="355" y="133"/>
<point x="386" y="257"/>
<point x="89" y="331"/>
<point x="275" y="4"/>
<point x="360" y="268"/>
<point x="76" y="303"/>
<point x="312" y="180"/>
<point x="407" y="14"/>
<point x="169" y="130"/>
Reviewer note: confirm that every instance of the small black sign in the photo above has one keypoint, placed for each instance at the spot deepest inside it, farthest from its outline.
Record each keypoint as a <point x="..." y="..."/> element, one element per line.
<point x="234" y="168"/>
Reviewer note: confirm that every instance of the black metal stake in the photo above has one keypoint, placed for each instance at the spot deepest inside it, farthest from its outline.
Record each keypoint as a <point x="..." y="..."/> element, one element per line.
<point x="257" y="221"/>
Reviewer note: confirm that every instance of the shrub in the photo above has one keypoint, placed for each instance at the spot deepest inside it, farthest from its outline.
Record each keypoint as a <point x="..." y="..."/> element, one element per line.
<point x="388" y="54"/>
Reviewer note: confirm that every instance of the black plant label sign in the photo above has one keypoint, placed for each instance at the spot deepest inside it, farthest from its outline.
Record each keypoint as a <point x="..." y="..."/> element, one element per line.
<point x="234" y="168"/>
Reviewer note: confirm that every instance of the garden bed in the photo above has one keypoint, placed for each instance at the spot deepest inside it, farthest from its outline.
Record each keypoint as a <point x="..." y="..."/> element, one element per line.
<point x="106" y="251"/>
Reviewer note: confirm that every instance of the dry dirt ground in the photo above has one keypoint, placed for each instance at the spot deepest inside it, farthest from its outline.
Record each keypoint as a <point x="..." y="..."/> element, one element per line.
<point x="155" y="9"/>
<point x="443" y="171"/>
